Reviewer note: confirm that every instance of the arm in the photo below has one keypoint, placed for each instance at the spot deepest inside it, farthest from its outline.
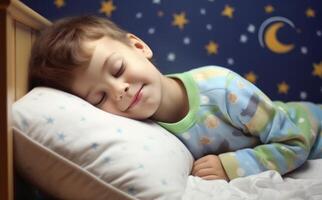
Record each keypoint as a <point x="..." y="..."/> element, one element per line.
<point x="283" y="129"/>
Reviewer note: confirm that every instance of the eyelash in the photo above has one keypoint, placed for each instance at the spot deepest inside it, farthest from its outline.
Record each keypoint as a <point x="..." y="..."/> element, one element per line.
<point x="101" y="100"/>
<point x="120" y="71"/>
<point x="118" y="74"/>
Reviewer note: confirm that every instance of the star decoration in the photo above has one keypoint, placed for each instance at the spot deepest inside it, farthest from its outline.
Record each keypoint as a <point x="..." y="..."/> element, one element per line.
<point x="283" y="88"/>
<point x="251" y="77"/>
<point x="251" y="28"/>
<point x="94" y="145"/>
<point x="230" y="61"/>
<point x="269" y="9"/>
<point x="243" y="38"/>
<point x="317" y="69"/>
<point x="160" y="13"/>
<point x="180" y="20"/>
<point x="138" y="15"/>
<point x="310" y="13"/>
<point x="303" y="95"/>
<point x="107" y="7"/>
<point x="59" y="3"/>
<point x="212" y="47"/>
<point x="208" y="27"/>
<point x="156" y="1"/>
<point x="228" y="11"/>
<point x="186" y="40"/>
<point x="171" y="57"/>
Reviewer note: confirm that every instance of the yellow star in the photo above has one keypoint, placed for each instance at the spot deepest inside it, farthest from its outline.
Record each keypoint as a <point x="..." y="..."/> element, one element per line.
<point x="317" y="69"/>
<point x="212" y="47"/>
<point x="283" y="88"/>
<point x="180" y="20"/>
<point x="228" y="11"/>
<point x="310" y="12"/>
<point x="59" y="3"/>
<point x="251" y="77"/>
<point x="107" y="7"/>
<point x="269" y="9"/>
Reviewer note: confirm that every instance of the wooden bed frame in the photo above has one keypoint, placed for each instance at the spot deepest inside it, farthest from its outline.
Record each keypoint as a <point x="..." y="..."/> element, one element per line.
<point x="18" y="28"/>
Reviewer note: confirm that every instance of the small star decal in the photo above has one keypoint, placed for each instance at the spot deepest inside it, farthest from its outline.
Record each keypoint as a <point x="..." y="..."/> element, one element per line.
<point x="61" y="136"/>
<point x="59" y="3"/>
<point x="304" y="50"/>
<point x="317" y="71"/>
<point x="180" y="20"/>
<point x="186" y="40"/>
<point x="107" y="7"/>
<point x="243" y="38"/>
<point x="319" y="33"/>
<point x="106" y="159"/>
<point x="251" y="28"/>
<point x="171" y="57"/>
<point x="251" y="77"/>
<point x="230" y="61"/>
<point x="94" y="146"/>
<point x="310" y="13"/>
<point x="212" y="48"/>
<point x="283" y="88"/>
<point x="138" y="15"/>
<point x="49" y="120"/>
<point x="228" y="11"/>
<point x="131" y="190"/>
<point x="151" y="30"/>
<point x="269" y="9"/>
<point x="208" y="27"/>
<point x="119" y="130"/>
<point x="203" y="11"/>
<point x="156" y="1"/>
<point x="303" y="95"/>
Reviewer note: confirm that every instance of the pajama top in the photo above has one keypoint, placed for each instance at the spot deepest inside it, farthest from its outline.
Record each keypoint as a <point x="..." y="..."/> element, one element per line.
<point x="230" y="117"/>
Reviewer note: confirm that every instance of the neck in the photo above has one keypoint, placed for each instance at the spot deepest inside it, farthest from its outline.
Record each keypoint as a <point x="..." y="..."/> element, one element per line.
<point x="174" y="103"/>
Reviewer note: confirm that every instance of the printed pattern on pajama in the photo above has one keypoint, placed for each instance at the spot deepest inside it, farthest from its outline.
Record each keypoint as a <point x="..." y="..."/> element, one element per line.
<point x="230" y="117"/>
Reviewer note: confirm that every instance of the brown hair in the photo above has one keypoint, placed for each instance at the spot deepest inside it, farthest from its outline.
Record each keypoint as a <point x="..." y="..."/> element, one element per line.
<point x="58" y="49"/>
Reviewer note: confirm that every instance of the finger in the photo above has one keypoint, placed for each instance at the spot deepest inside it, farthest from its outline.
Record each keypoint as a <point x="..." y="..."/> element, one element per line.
<point x="201" y="160"/>
<point x="203" y="165"/>
<point x="204" y="172"/>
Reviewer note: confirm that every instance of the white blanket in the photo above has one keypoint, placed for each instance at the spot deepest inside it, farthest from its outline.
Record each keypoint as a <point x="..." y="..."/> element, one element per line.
<point x="304" y="184"/>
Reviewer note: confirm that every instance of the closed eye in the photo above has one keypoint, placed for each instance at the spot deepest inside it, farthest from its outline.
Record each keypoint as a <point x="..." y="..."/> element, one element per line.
<point x="102" y="99"/>
<point x="119" y="71"/>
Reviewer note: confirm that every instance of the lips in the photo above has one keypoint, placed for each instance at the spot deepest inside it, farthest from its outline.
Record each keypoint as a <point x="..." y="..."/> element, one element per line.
<point x="137" y="97"/>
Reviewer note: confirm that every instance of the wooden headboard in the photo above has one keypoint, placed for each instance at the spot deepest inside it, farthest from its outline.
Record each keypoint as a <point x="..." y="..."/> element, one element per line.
<point x="18" y="28"/>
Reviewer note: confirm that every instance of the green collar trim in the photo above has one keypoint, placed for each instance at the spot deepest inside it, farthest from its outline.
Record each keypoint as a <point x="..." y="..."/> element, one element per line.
<point x="194" y="102"/>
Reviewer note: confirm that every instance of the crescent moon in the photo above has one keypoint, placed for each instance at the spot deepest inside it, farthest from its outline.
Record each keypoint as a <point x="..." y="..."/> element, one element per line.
<point x="272" y="42"/>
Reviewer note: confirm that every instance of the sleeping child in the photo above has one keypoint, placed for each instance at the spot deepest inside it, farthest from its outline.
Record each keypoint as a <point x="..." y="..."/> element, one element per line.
<point x="231" y="128"/>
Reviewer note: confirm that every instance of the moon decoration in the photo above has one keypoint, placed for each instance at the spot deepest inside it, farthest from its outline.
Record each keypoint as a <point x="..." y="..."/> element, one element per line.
<point x="268" y="32"/>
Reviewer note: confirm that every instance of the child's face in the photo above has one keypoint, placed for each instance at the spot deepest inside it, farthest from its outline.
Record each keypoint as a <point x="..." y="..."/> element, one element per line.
<point x="120" y="79"/>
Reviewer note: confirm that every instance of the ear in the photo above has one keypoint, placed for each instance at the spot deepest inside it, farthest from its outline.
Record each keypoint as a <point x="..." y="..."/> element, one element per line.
<point x="140" y="46"/>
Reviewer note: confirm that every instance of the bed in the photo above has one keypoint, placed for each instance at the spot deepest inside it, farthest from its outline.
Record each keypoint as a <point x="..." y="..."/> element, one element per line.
<point x="19" y="25"/>
<point x="100" y="165"/>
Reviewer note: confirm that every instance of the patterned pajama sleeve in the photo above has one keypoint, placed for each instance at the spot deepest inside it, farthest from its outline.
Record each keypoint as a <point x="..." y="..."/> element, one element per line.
<point x="285" y="131"/>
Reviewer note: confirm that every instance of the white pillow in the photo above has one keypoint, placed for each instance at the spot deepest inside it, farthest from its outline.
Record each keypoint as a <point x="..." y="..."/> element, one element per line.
<point x="73" y="150"/>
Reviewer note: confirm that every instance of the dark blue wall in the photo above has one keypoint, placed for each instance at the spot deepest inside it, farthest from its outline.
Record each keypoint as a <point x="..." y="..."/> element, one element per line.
<point x="249" y="37"/>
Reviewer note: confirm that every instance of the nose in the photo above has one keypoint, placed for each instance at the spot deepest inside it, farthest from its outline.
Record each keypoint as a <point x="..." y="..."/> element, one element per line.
<point x="120" y="90"/>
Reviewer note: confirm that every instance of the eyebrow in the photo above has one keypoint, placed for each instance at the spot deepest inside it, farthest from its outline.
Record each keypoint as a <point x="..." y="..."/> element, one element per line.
<point x="101" y="68"/>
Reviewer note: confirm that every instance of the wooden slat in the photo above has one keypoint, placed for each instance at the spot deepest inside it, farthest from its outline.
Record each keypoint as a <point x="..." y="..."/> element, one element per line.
<point x="7" y="97"/>
<point x="22" y="50"/>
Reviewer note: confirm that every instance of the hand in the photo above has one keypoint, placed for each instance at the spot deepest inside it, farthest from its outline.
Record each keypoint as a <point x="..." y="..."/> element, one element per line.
<point x="209" y="168"/>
